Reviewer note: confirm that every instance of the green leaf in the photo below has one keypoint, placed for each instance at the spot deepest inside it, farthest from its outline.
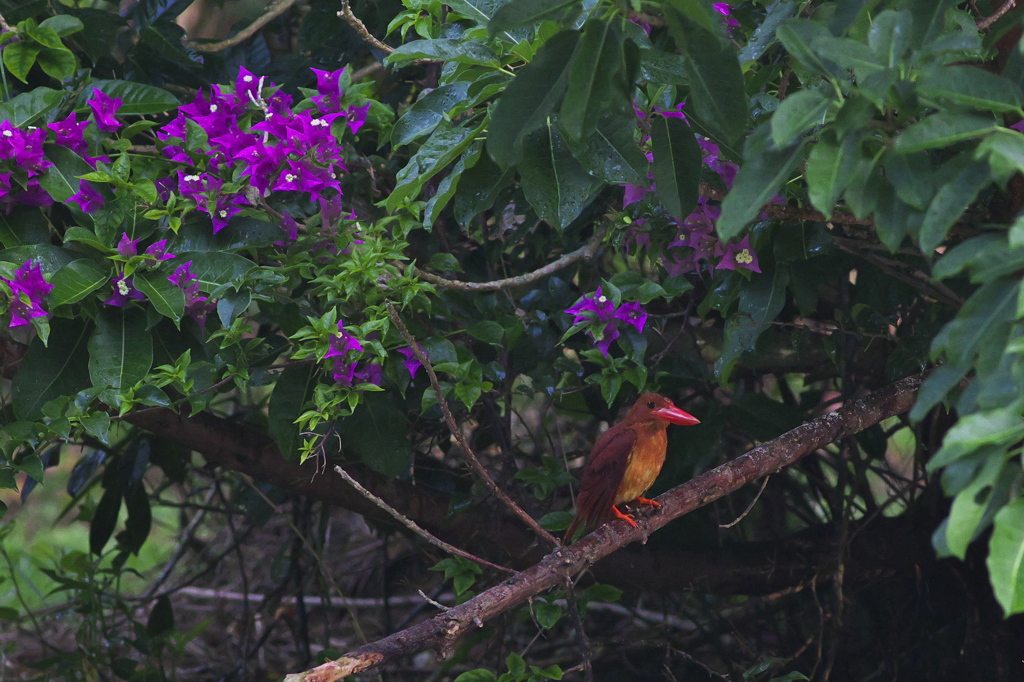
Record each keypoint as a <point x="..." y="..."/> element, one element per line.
<point x="950" y="202"/>
<point x="975" y="431"/>
<point x="43" y="35"/>
<point x="57" y="63"/>
<point x="104" y="519"/>
<point x="982" y="322"/>
<point x="449" y="185"/>
<point x="528" y="12"/>
<point x="19" y="58"/>
<point x="426" y="112"/>
<point x="830" y="166"/>
<point x="446" y="143"/>
<point x="612" y="152"/>
<point x="555" y="521"/>
<point x="445" y="50"/>
<point x="677" y="165"/>
<point x="765" y="170"/>
<point x="25" y="109"/>
<point x="889" y="36"/>
<point x="929" y="18"/>
<point x="48" y="372"/>
<point x="478" y="191"/>
<point x="717" y="97"/>
<point x="970" y="86"/>
<point x="214" y="268"/>
<point x="547" y="613"/>
<point x="167" y="298"/>
<point x="764" y="35"/>
<point x="530" y="98"/>
<point x="293" y="390"/>
<point x="798" y="113"/>
<point x="554" y="182"/>
<point x="62" y="24"/>
<point x="942" y="130"/>
<point x="376" y="434"/>
<point x="139" y="520"/>
<point x="761" y="300"/>
<point x="136" y="98"/>
<point x="968" y="512"/>
<point x="121" y="349"/>
<point x="161" y="618"/>
<point x="478" y="675"/>
<point x="75" y="281"/>
<point x="61" y="179"/>
<point x="597" y="58"/>
<point x="1006" y="557"/>
<point x="798" y="37"/>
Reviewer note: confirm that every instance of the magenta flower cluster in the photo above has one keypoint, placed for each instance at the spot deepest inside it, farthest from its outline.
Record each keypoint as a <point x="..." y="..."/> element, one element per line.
<point x="344" y="369"/>
<point x="27" y="291"/>
<point x="695" y="241"/>
<point x="603" y="318"/>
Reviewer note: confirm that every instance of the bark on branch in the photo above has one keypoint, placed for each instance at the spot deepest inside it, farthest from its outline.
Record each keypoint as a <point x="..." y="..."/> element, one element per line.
<point x="442" y="631"/>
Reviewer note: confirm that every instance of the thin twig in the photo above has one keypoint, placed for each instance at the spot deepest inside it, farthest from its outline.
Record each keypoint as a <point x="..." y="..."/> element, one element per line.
<point x="747" y="510"/>
<point x="997" y="15"/>
<point x="433" y="602"/>
<point x="585" y="252"/>
<point x="352" y="20"/>
<point x="275" y="10"/>
<point x="411" y="525"/>
<point x="474" y="463"/>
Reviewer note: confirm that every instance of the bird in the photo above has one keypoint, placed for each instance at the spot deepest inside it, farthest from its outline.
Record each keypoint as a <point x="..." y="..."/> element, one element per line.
<point x="625" y="461"/>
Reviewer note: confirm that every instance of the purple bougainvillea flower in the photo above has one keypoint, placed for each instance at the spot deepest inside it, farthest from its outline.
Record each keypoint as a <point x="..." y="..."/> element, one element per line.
<point x="328" y="87"/>
<point x="87" y="198"/>
<point x="633" y="194"/>
<point x="738" y="256"/>
<point x="70" y="133"/>
<point x="341" y="342"/>
<point x="225" y="206"/>
<point x="30" y="156"/>
<point x="124" y="291"/>
<point x="104" y="110"/>
<point x="603" y="340"/>
<point x="28" y="289"/>
<point x="370" y="374"/>
<point x="357" y="117"/>
<point x="196" y="306"/>
<point x="5" y="186"/>
<point x="127" y="247"/>
<point x="725" y="10"/>
<point x="632" y="313"/>
<point x="411" y="364"/>
<point x="596" y="308"/>
<point x="158" y="251"/>
<point x="34" y="195"/>
<point x="11" y="140"/>
<point x="289" y="226"/>
<point x="674" y="112"/>
<point x="247" y="86"/>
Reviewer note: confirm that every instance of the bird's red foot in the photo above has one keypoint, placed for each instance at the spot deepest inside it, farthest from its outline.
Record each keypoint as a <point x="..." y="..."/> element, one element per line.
<point x="649" y="503"/>
<point x="625" y="517"/>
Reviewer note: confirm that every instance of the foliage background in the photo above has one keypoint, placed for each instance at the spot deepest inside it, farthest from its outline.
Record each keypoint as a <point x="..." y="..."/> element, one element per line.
<point x="859" y="163"/>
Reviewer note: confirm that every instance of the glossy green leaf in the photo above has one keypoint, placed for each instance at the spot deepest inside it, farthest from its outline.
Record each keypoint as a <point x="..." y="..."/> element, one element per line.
<point x="950" y="202"/>
<point x="942" y="130"/>
<point x="975" y="431"/>
<point x="889" y="36"/>
<point x="530" y="98"/>
<point x="61" y="179"/>
<point x="445" y="50"/>
<point x="375" y="434"/>
<point x="974" y="506"/>
<point x="761" y="300"/>
<point x="554" y="181"/>
<point x="717" y="97"/>
<point x="20" y="57"/>
<point x="121" y="348"/>
<point x="1006" y="557"/>
<point x="449" y="185"/>
<point x="75" y="281"/>
<point x="798" y="36"/>
<point x="677" y="165"/>
<point x="293" y="390"/>
<point x="828" y="171"/>
<point x="63" y="24"/>
<point x="215" y="268"/>
<point x="426" y="112"/>
<point x="597" y="58"/>
<point x="168" y="299"/>
<point x="57" y="63"/>
<point x="612" y="152"/>
<point x="136" y="98"/>
<point x="48" y="372"/>
<point x="104" y="519"/>
<point x="527" y="12"/>
<point x="764" y="172"/>
<point x="929" y="18"/>
<point x="445" y="145"/>
<point x="478" y="191"/>
<point x="970" y="86"/>
<point x="797" y="114"/>
<point x="764" y="35"/>
<point x="25" y="109"/>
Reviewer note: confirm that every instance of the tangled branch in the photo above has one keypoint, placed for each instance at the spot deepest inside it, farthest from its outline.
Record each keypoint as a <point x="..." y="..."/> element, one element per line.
<point x="442" y="631"/>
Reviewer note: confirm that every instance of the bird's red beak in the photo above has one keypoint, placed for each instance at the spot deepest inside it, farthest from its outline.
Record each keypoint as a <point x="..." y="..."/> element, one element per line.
<point x="676" y="416"/>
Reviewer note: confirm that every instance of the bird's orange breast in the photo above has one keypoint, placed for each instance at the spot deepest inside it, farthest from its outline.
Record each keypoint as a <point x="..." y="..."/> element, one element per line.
<point x="645" y="462"/>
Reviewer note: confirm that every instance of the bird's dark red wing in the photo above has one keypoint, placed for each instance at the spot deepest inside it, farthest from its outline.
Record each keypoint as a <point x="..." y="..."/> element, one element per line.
<point x="601" y="478"/>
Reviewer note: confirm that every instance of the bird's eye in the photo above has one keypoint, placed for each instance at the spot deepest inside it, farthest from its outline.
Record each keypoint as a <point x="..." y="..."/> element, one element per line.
<point x="650" y="404"/>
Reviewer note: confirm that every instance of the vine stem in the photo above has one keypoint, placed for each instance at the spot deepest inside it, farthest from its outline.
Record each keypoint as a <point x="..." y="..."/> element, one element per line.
<point x="471" y="458"/>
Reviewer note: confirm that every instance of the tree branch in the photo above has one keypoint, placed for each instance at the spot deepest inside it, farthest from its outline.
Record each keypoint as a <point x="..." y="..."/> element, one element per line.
<point x="585" y="252"/>
<point x="352" y="20"/>
<point x="984" y="24"/>
<point x="471" y="459"/>
<point x="275" y="10"/>
<point x="442" y="631"/>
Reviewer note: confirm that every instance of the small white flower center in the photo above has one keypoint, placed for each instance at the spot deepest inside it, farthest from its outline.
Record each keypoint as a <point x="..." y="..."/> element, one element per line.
<point x="191" y="178"/>
<point x="247" y="79"/>
<point x="744" y="257"/>
<point x="8" y="133"/>
<point x="213" y="108"/>
<point x="290" y="177"/>
<point x="603" y="299"/>
<point x="223" y="213"/>
<point x="122" y="287"/>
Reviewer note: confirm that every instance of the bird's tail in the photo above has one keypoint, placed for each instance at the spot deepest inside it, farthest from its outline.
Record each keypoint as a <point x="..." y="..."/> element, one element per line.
<point x="570" y="532"/>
